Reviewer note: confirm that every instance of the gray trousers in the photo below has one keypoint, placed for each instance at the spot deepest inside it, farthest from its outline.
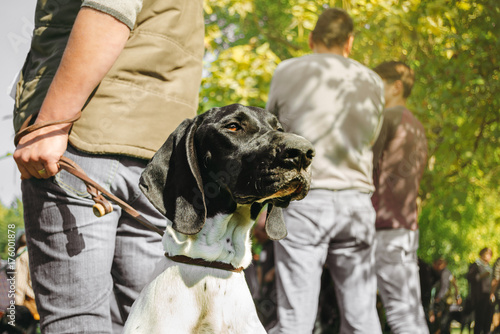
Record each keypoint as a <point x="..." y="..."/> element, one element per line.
<point x="334" y="229"/>
<point x="398" y="280"/>
<point x="87" y="271"/>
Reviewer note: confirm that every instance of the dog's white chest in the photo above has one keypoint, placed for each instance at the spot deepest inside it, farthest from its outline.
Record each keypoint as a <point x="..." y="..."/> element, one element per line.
<point x="224" y="238"/>
<point x="191" y="299"/>
<point x="186" y="298"/>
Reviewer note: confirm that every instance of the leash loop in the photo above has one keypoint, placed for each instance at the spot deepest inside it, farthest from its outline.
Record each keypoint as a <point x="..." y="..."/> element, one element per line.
<point x="26" y="128"/>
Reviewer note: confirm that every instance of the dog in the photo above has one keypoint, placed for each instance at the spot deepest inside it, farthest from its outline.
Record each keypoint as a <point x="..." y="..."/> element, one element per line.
<point x="211" y="179"/>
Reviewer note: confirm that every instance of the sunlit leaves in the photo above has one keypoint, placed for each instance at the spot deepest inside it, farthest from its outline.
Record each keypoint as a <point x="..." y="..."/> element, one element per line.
<point x="243" y="74"/>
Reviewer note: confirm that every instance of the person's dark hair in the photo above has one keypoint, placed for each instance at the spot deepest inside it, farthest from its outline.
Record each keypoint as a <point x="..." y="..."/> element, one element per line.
<point x="334" y="27"/>
<point x="439" y="260"/>
<point x="484" y="251"/>
<point x="392" y="71"/>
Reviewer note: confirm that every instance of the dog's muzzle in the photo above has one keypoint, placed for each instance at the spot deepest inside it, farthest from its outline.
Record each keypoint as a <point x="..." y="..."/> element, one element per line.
<point x="283" y="173"/>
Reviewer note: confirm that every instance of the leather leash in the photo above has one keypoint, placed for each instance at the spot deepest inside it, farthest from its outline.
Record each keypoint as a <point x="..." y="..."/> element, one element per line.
<point x="98" y="193"/>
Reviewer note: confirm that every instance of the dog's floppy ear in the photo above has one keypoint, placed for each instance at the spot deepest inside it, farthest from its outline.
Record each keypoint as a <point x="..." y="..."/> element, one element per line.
<point x="275" y="223"/>
<point x="172" y="180"/>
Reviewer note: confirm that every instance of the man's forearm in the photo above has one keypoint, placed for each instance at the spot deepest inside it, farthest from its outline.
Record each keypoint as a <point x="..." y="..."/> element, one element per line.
<point x="94" y="45"/>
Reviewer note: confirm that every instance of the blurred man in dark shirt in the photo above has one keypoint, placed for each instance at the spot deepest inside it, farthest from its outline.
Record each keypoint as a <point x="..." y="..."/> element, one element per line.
<point x="400" y="156"/>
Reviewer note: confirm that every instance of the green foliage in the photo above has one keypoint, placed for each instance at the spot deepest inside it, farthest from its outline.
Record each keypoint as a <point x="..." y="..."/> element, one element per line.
<point x="454" y="48"/>
<point x="11" y="221"/>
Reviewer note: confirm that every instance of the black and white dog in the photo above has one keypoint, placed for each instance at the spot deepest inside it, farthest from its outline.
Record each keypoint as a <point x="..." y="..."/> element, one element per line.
<point x="211" y="179"/>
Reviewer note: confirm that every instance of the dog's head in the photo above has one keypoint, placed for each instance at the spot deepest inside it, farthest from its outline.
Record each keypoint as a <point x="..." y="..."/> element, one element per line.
<point x="225" y="157"/>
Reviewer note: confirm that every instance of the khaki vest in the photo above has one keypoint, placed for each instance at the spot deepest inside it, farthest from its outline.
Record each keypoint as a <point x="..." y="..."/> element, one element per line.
<point x="151" y="88"/>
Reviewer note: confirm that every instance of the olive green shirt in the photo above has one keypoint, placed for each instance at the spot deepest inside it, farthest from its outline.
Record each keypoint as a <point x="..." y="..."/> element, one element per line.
<point x="152" y="87"/>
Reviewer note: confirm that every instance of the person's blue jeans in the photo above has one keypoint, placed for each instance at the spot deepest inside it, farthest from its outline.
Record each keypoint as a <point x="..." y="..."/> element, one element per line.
<point x="399" y="281"/>
<point x="81" y="266"/>
<point x="336" y="229"/>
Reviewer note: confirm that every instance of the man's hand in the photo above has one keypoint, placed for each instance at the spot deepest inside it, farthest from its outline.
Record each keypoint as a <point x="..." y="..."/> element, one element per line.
<point x="38" y="153"/>
<point x="95" y="43"/>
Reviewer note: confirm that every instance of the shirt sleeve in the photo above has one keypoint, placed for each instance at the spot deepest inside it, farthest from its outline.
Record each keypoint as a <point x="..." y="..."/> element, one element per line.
<point x="444" y="284"/>
<point x="272" y="102"/>
<point x="125" y="11"/>
<point x="380" y="143"/>
<point x="496" y="270"/>
<point x="472" y="273"/>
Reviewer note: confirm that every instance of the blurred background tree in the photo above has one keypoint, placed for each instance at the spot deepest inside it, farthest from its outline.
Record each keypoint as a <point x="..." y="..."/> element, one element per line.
<point x="454" y="48"/>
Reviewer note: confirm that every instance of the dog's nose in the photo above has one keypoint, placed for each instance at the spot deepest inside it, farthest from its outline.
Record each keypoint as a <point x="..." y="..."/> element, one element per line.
<point x="298" y="153"/>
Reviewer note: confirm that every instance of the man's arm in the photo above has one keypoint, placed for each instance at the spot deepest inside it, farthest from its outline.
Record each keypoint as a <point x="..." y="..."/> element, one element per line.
<point x="496" y="279"/>
<point x="380" y="143"/>
<point x="272" y="103"/>
<point x="473" y="273"/>
<point x="444" y="284"/>
<point x="95" y="43"/>
<point x="458" y="298"/>
<point x="494" y="286"/>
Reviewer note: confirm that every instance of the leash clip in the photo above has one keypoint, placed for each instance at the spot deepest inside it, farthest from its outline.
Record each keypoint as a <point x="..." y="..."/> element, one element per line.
<point x="102" y="206"/>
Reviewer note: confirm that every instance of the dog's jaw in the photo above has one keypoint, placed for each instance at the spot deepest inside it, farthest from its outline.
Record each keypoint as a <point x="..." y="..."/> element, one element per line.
<point x="281" y="185"/>
<point x="292" y="186"/>
<point x="224" y="238"/>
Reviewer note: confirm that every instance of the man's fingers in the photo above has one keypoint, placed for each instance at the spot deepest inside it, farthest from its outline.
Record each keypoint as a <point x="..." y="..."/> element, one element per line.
<point x="37" y="170"/>
<point x="38" y="156"/>
<point x="25" y="174"/>
<point x="29" y="171"/>
<point x="47" y="169"/>
<point x="51" y="170"/>
<point x="42" y="172"/>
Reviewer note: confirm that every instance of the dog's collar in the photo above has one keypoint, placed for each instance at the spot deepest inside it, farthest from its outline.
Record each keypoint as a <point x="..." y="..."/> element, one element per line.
<point x="204" y="263"/>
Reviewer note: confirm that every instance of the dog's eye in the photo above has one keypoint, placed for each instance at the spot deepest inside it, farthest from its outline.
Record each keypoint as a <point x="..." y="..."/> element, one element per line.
<point x="233" y="127"/>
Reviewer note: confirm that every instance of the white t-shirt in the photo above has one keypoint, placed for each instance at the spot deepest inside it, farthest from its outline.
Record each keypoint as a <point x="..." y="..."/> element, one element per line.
<point x="336" y="103"/>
